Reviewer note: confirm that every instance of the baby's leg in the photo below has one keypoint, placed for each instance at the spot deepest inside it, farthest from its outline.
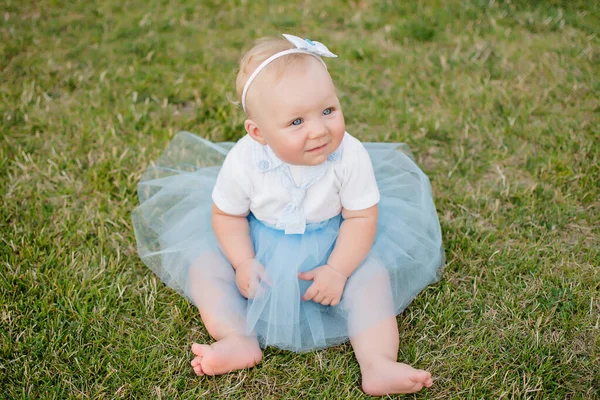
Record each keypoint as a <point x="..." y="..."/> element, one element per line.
<point x="368" y="294"/>
<point x="222" y="308"/>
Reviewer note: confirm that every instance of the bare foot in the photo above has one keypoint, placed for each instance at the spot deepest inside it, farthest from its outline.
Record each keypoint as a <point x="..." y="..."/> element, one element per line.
<point x="228" y="354"/>
<point x="385" y="376"/>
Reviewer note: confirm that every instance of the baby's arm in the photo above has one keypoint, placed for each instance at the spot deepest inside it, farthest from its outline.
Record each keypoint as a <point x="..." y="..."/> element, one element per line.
<point x="354" y="242"/>
<point x="233" y="235"/>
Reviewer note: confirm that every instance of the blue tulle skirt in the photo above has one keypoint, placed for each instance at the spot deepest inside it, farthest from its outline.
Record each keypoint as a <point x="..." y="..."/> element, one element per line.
<point x="175" y="239"/>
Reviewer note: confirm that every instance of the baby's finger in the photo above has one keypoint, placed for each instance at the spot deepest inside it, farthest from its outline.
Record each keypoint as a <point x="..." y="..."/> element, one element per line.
<point x="262" y="286"/>
<point x="310" y="293"/>
<point x="326" y="301"/>
<point x="264" y="277"/>
<point x="319" y="298"/>
<point x="334" y="302"/>
<point x="307" y="276"/>
<point x="253" y="286"/>
<point x="241" y="289"/>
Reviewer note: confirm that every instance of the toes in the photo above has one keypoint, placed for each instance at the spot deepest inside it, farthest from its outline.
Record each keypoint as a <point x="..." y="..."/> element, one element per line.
<point x="198" y="370"/>
<point x="421" y="377"/>
<point x="208" y="369"/>
<point x="196" y="349"/>
<point x="196" y="361"/>
<point x="417" y="387"/>
<point x="197" y="366"/>
<point x="199" y="349"/>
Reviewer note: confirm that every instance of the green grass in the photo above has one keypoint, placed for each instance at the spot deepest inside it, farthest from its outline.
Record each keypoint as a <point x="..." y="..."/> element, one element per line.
<point x="499" y="101"/>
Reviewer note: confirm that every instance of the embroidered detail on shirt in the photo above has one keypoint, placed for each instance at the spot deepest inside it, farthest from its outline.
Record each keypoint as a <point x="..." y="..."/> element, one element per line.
<point x="263" y="165"/>
<point x="335" y="156"/>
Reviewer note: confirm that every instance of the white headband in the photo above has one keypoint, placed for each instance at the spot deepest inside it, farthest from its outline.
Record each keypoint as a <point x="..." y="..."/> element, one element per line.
<point x="303" y="46"/>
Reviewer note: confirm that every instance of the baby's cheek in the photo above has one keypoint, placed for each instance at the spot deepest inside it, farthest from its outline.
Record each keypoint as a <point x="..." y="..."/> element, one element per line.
<point x="339" y="127"/>
<point x="290" y="151"/>
<point x="296" y="147"/>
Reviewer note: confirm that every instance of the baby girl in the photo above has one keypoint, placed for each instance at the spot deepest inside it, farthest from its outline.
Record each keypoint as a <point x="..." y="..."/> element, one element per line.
<point x="298" y="236"/>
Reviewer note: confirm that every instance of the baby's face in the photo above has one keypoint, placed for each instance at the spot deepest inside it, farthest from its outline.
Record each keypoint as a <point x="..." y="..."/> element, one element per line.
<point x="300" y="115"/>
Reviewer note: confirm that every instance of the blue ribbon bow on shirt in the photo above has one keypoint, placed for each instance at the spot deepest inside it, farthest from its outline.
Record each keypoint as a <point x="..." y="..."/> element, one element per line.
<point x="293" y="219"/>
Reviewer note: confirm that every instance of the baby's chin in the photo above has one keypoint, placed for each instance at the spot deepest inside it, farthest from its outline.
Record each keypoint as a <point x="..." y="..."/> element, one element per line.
<point x="308" y="161"/>
<point x="316" y="159"/>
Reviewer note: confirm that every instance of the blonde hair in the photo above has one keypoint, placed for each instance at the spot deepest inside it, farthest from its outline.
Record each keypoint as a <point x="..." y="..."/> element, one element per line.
<point x="263" y="49"/>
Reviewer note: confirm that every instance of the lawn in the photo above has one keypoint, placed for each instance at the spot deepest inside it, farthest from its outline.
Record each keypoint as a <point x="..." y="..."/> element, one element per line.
<point x="498" y="100"/>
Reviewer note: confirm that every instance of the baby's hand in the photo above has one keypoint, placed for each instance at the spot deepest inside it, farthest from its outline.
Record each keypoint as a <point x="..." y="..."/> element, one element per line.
<point x="328" y="285"/>
<point x="248" y="276"/>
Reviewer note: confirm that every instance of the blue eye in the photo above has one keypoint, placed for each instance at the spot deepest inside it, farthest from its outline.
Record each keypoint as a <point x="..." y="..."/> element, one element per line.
<point x="297" y="121"/>
<point x="327" y="111"/>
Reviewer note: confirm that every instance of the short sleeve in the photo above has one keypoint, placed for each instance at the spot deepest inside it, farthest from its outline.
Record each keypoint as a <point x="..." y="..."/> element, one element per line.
<point x="231" y="193"/>
<point x="359" y="187"/>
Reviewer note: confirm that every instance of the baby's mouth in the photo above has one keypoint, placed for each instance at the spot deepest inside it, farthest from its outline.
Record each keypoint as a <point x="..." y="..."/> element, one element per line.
<point x="317" y="148"/>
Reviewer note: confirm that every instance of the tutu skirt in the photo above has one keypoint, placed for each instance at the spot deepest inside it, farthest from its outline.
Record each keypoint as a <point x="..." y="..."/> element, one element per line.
<point x="175" y="240"/>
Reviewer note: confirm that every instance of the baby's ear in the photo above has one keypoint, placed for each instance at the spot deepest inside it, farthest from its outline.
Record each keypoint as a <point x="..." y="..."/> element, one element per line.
<point x="254" y="131"/>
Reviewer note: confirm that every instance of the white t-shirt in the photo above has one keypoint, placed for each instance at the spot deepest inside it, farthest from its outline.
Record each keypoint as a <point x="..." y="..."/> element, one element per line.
<point x="253" y="179"/>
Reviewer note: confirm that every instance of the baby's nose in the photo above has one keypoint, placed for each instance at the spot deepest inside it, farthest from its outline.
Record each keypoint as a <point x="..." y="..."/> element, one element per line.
<point x="317" y="130"/>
